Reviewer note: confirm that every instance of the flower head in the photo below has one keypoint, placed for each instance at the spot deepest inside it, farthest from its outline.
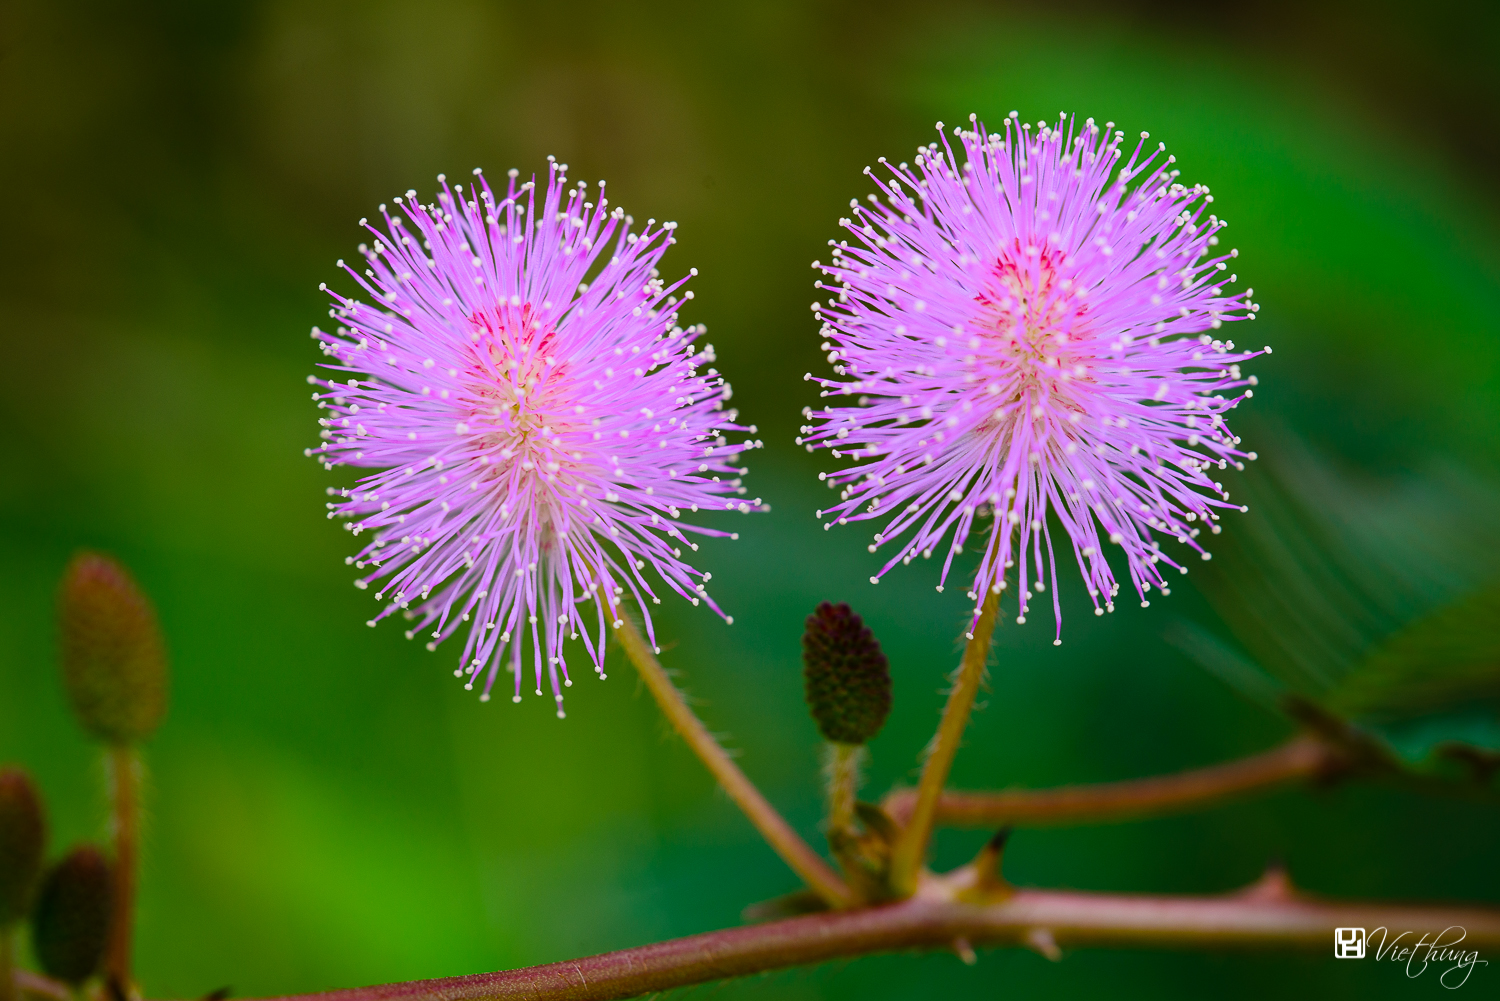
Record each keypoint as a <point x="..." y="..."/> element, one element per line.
<point x="1033" y="332"/>
<point x="539" y="419"/>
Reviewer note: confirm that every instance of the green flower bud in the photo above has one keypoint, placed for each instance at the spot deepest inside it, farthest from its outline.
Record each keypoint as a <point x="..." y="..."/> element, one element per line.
<point x="70" y="924"/>
<point x="113" y="662"/>
<point x="848" y="678"/>
<point x="23" y="839"/>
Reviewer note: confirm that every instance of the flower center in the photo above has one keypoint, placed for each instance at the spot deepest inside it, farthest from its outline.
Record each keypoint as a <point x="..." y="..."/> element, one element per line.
<point x="1032" y="326"/>
<point x="519" y="395"/>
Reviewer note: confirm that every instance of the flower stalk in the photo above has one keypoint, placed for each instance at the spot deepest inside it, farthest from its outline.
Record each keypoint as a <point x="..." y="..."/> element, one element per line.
<point x="843" y="772"/>
<point x="911" y="846"/>
<point x="124" y="763"/>
<point x="795" y="851"/>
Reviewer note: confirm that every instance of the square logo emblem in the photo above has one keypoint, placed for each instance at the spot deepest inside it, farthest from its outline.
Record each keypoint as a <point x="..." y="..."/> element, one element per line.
<point x="1349" y="943"/>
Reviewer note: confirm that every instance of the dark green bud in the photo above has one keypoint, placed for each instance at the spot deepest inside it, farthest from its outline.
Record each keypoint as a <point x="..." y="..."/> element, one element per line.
<point x="848" y="678"/>
<point x="70" y="924"/>
<point x="113" y="662"/>
<point x="23" y="839"/>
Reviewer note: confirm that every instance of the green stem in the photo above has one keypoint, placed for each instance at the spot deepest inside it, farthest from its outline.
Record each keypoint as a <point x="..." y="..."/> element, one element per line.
<point x="797" y="853"/>
<point x="842" y="771"/>
<point x="125" y="784"/>
<point x="911" y="845"/>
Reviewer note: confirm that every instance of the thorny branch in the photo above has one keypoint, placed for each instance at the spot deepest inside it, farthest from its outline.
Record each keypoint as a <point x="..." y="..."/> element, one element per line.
<point x="960" y="911"/>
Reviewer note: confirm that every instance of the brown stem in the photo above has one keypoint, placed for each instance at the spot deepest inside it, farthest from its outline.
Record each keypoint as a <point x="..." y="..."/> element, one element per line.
<point x="797" y="853"/>
<point x="1256" y="919"/>
<point x="911" y="845"/>
<point x="1299" y="759"/>
<point x="125" y="780"/>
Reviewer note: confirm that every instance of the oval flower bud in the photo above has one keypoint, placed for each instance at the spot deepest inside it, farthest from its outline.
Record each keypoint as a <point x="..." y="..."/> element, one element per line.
<point x="70" y="925"/>
<point x="23" y="838"/>
<point x="848" y="678"/>
<point x="113" y="662"/>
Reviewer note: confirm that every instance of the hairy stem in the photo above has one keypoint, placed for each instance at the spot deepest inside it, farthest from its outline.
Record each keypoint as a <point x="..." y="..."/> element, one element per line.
<point x="842" y="771"/>
<point x="911" y="846"/>
<point x="1305" y="757"/>
<point x="797" y="853"/>
<point x="125" y="787"/>
<point x="1046" y="920"/>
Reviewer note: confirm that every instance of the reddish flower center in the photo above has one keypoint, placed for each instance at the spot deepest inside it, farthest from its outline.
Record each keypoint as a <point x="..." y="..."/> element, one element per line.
<point x="1032" y="328"/>
<point x="519" y="394"/>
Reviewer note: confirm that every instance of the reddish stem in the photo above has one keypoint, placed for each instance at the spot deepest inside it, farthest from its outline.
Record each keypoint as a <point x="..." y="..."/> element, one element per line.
<point x="1266" y="916"/>
<point x="1302" y="758"/>
<point x="124" y="769"/>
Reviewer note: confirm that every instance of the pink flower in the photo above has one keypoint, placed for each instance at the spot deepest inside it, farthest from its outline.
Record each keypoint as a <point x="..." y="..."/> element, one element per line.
<point x="539" y="420"/>
<point x="1033" y="332"/>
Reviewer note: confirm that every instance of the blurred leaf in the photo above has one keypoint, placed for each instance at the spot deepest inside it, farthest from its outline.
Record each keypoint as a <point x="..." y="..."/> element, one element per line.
<point x="1329" y="563"/>
<point x="1447" y="658"/>
<point x="1467" y="736"/>
<point x="1356" y="602"/>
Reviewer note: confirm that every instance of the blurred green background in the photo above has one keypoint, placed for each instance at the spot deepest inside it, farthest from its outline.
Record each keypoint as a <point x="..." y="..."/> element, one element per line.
<point x="328" y="807"/>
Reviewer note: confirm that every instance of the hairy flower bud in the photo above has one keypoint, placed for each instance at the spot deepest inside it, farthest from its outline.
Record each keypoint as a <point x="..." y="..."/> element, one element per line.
<point x="70" y="924"/>
<point x="23" y="838"/>
<point x="113" y="661"/>
<point x="848" y="678"/>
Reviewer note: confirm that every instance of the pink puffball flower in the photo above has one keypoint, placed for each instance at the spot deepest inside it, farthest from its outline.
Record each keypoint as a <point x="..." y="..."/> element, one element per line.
<point x="1029" y="334"/>
<point x="538" y="418"/>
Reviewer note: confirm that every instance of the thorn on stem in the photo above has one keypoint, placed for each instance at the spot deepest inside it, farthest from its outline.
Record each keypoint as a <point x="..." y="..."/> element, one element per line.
<point x="1275" y="884"/>
<point x="1040" y="940"/>
<point x="987" y="862"/>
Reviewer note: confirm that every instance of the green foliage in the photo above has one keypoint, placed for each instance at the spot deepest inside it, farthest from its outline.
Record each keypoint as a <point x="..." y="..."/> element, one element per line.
<point x="70" y="924"/>
<point x="113" y="659"/>
<point x="1432" y="690"/>
<point x="848" y="679"/>
<point x="1448" y="658"/>
<point x="23" y="839"/>
<point x="1367" y="602"/>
